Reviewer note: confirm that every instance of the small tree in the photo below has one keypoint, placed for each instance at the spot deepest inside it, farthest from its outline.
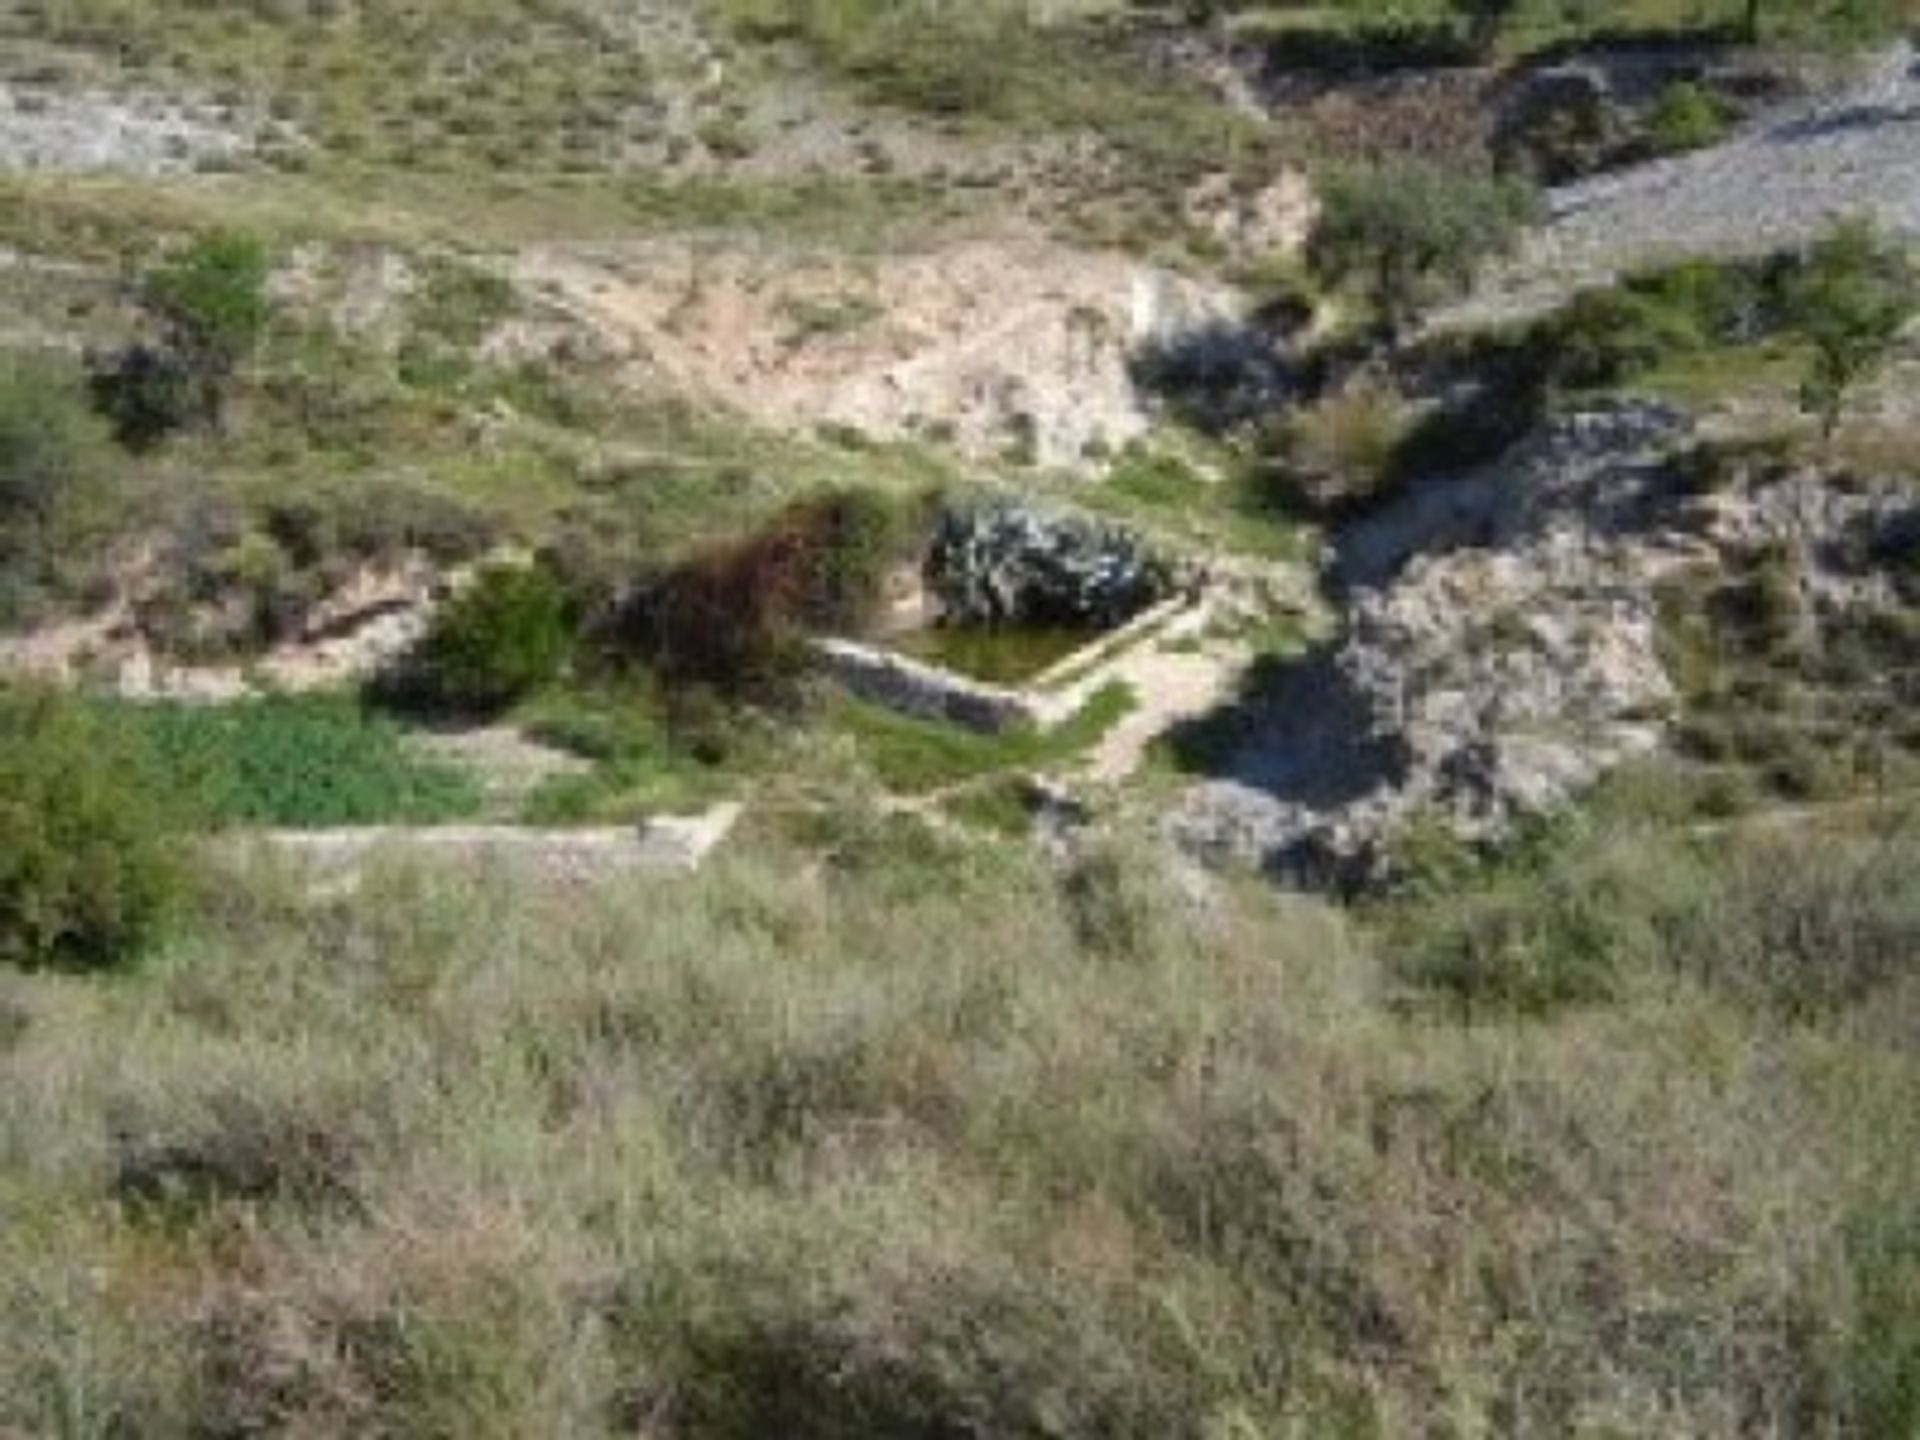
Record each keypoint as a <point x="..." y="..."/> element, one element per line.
<point x="1852" y="297"/>
<point x="1409" y="231"/>
<point x="212" y="307"/>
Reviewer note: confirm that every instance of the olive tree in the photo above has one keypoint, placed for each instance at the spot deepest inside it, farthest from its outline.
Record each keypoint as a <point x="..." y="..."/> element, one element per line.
<point x="1851" y="299"/>
<point x="1407" y="232"/>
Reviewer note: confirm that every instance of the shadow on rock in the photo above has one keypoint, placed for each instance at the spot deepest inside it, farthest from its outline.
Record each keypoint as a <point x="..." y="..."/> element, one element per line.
<point x="1220" y="375"/>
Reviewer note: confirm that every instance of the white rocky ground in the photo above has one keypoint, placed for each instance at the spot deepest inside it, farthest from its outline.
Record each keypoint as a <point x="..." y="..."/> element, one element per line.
<point x="80" y="131"/>
<point x="1010" y="344"/>
<point x="1778" y="182"/>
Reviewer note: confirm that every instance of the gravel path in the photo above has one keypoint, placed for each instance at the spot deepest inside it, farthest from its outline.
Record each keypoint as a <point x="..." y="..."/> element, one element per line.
<point x="1777" y="183"/>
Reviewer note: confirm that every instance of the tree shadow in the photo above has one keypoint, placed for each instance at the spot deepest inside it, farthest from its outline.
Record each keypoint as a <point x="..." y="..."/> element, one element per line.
<point x="1294" y="729"/>
<point x="1217" y="376"/>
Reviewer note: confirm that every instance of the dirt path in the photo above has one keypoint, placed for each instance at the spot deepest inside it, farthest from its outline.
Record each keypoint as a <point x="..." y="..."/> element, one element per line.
<point x="1170" y="685"/>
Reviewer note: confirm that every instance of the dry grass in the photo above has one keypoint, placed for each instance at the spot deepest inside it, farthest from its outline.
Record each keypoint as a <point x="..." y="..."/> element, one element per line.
<point x="926" y="1142"/>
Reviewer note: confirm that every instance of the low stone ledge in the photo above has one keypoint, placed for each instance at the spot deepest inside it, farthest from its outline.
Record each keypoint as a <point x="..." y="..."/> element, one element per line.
<point x="663" y="845"/>
<point x="914" y="688"/>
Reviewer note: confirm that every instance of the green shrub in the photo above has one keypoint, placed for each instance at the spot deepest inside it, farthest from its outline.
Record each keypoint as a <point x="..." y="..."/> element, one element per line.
<point x="1685" y="117"/>
<point x="1536" y="932"/>
<point x="1605" y="337"/>
<point x="504" y="636"/>
<point x="213" y="297"/>
<point x="55" y="475"/>
<point x="89" y="869"/>
<point x="1805" y="929"/>
<point x="1609" y="335"/>
<point x="1793" y="923"/>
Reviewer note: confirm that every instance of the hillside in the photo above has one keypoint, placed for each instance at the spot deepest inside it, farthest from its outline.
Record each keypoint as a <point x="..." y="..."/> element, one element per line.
<point x="844" y="718"/>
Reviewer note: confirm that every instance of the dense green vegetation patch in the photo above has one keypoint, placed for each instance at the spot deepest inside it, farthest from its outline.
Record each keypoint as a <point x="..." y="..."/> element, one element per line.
<point x="1350" y="35"/>
<point x="299" y="761"/>
<point x="58" y="490"/>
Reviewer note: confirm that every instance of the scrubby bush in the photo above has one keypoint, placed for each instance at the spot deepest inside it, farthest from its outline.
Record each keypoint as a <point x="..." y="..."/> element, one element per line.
<point x="55" y="472"/>
<point x="502" y="637"/>
<point x="1685" y="117"/>
<point x="734" y="619"/>
<point x="1342" y="452"/>
<point x="1603" y="337"/>
<point x="931" y="1140"/>
<point x="1848" y="296"/>
<point x="213" y="297"/>
<point x="90" y="870"/>
<point x="1609" y="335"/>
<point x="1808" y="929"/>
<point x="1620" y="895"/>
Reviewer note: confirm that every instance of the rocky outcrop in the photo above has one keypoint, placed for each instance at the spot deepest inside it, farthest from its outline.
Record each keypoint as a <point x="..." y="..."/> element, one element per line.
<point x="1501" y="649"/>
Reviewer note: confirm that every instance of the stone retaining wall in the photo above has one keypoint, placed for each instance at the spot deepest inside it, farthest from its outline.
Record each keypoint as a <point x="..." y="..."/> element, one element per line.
<point x="913" y="688"/>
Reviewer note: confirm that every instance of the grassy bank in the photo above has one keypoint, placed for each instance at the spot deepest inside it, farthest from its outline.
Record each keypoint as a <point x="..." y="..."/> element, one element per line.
<point x="933" y="1142"/>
